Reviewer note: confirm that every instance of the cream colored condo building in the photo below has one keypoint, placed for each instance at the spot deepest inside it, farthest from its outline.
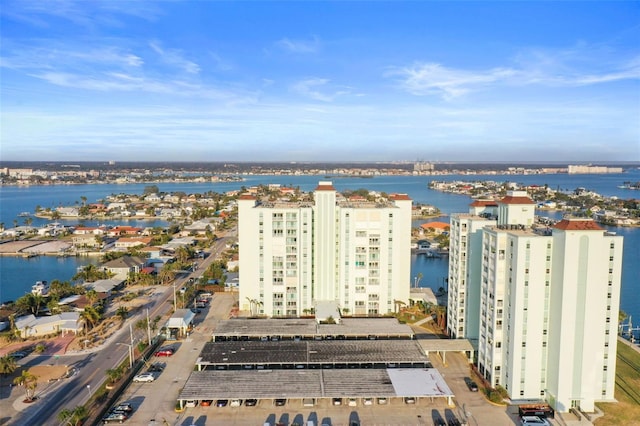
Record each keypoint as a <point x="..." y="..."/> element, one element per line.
<point x="541" y="302"/>
<point x="351" y="253"/>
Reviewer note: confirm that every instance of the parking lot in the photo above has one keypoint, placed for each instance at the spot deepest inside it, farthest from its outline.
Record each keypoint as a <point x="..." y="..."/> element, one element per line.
<point x="154" y="403"/>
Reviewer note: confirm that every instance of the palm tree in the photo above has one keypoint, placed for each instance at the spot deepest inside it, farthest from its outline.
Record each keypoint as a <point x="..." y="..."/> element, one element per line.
<point x="53" y="305"/>
<point x="7" y="365"/>
<point x="65" y="416"/>
<point x="92" y="296"/>
<point x="90" y="273"/>
<point x="30" y="383"/>
<point x="91" y="317"/>
<point x="167" y="274"/>
<point x="114" y="374"/>
<point x="122" y="312"/>
<point x="72" y="417"/>
<point x="251" y="305"/>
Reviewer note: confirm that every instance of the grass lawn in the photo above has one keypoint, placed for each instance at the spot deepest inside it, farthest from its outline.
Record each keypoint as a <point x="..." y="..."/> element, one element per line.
<point x="627" y="410"/>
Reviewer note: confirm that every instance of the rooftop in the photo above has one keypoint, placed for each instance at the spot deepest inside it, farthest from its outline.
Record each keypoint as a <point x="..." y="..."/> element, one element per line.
<point x="415" y="382"/>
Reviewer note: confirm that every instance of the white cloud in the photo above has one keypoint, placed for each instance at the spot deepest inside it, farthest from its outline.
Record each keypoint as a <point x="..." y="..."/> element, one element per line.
<point x="175" y="57"/>
<point x="311" y="88"/>
<point x="434" y="79"/>
<point x="562" y="69"/>
<point x="299" y="46"/>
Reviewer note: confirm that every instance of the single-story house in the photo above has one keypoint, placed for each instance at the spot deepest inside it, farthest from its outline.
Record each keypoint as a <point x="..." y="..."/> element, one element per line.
<point x="436" y="227"/>
<point x="130" y="242"/>
<point x="105" y="286"/>
<point x="66" y="322"/>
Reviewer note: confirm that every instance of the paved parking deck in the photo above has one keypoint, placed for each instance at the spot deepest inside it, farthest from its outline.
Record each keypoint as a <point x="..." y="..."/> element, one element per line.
<point x="290" y="328"/>
<point x="311" y="354"/>
<point x="299" y="384"/>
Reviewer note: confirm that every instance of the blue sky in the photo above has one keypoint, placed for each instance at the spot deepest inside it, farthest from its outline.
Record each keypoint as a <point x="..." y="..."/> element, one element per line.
<point x="320" y="81"/>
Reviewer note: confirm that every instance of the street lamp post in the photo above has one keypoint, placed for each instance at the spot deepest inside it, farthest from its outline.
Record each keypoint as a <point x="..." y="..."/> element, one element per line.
<point x="174" y="297"/>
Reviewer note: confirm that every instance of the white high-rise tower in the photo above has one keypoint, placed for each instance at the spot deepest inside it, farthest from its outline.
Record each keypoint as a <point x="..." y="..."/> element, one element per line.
<point x="541" y="302"/>
<point x="352" y="252"/>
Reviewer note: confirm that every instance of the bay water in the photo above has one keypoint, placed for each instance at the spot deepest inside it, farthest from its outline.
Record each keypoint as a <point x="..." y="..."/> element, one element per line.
<point x="17" y="275"/>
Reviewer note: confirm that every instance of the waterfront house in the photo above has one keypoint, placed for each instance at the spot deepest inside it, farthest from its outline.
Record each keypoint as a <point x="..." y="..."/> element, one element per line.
<point x="105" y="287"/>
<point x="435" y="227"/>
<point x="152" y="198"/>
<point x="199" y="227"/>
<point x="68" y="211"/>
<point x="130" y="242"/>
<point x="117" y="231"/>
<point x="87" y="240"/>
<point x="123" y="266"/>
<point x="66" y="322"/>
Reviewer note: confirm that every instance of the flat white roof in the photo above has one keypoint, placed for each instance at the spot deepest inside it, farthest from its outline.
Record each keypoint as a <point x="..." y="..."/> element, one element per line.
<point x="418" y="382"/>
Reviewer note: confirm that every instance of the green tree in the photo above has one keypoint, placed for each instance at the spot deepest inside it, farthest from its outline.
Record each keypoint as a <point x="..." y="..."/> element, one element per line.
<point x="73" y="417"/>
<point x="61" y="289"/>
<point x="90" y="273"/>
<point x="31" y="303"/>
<point x="92" y="296"/>
<point x="8" y="365"/>
<point x="151" y="189"/>
<point x="29" y="382"/>
<point x="91" y="317"/>
<point x="114" y="374"/>
<point x="122" y="312"/>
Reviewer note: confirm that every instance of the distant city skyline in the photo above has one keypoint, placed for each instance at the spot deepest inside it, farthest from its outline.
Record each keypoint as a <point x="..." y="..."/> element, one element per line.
<point x="320" y="81"/>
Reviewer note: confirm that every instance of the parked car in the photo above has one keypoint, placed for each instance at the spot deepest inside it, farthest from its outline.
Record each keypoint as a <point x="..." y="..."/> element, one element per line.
<point x="235" y="403"/>
<point x="534" y="421"/>
<point x="18" y="354"/>
<point x="337" y="401"/>
<point x="123" y="406"/>
<point x="352" y="402"/>
<point x="382" y="401"/>
<point x="280" y="402"/>
<point x="164" y="352"/>
<point x="222" y="403"/>
<point x="113" y="417"/>
<point x="250" y="402"/>
<point x="473" y="386"/>
<point x="191" y="403"/>
<point x="206" y="402"/>
<point x="367" y="401"/>
<point x="155" y="368"/>
<point x="144" y="377"/>
<point x="409" y="400"/>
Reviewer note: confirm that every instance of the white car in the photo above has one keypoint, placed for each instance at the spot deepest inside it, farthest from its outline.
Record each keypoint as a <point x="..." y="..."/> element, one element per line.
<point x="145" y="377"/>
<point x="367" y="401"/>
<point x="534" y="421"/>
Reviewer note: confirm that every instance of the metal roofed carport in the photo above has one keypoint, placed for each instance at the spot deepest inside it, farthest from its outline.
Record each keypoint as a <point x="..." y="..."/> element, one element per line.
<point x="312" y="354"/>
<point x="442" y="346"/>
<point x="299" y="384"/>
<point x="292" y="328"/>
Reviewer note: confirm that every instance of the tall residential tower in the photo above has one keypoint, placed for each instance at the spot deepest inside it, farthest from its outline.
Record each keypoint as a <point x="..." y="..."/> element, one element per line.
<point x="353" y="252"/>
<point x="542" y="303"/>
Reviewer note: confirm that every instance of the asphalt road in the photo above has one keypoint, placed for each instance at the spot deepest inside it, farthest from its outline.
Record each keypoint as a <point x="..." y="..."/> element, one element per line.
<point x="92" y="365"/>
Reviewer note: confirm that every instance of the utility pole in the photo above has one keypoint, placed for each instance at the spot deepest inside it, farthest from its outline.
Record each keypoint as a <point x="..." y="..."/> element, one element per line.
<point x="175" y="306"/>
<point x="148" y="327"/>
<point x="131" y="347"/>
